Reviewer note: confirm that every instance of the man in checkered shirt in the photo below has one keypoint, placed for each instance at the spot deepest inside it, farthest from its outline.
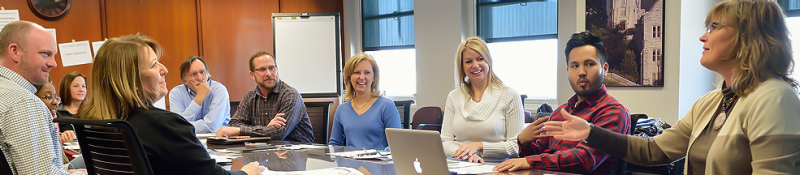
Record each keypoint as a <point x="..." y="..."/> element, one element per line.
<point x="28" y="137"/>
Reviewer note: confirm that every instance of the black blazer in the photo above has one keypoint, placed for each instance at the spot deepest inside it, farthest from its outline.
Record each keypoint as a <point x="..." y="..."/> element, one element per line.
<point x="61" y="112"/>
<point x="171" y="145"/>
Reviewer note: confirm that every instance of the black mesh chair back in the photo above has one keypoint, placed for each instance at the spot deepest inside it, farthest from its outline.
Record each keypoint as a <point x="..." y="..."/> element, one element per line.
<point x="109" y="146"/>
<point x="622" y="166"/>
<point x="5" y="168"/>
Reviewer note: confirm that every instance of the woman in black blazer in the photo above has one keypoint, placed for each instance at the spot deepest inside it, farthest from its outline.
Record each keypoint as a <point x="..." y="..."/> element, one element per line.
<point x="127" y="80"/>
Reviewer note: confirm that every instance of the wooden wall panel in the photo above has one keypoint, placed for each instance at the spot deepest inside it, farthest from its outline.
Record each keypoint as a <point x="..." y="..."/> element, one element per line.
<point x="311" y="6"/>
<point x="232" y="31"/>
<point x="82" y="22"/>
<point x="173" y="24"/>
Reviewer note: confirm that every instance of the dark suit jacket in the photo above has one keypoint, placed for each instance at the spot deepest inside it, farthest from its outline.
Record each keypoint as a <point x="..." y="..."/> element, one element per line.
<point x="171" y="145"/>
<point x="62" y="112"/>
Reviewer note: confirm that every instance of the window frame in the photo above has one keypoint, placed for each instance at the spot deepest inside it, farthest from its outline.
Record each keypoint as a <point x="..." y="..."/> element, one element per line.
<point x="477" y="29"/>
<point x="395" y="15"/>
<point x="478" y="6"/>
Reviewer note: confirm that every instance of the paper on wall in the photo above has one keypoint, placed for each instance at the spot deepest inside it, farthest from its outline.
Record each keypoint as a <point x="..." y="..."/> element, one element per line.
<point x="8" y="16"/>
<point x="96" y="46"/>
<point x="75" y="53"/>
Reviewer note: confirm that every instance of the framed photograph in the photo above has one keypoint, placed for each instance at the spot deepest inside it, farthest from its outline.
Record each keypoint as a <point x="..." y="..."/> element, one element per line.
<point x="633" y="35"/>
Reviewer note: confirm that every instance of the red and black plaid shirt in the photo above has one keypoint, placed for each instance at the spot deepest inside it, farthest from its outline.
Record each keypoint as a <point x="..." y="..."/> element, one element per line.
<point x="602" y="110"/>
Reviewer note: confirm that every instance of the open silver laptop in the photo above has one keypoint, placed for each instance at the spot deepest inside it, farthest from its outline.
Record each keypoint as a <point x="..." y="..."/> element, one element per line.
<point x="417" y="151"/>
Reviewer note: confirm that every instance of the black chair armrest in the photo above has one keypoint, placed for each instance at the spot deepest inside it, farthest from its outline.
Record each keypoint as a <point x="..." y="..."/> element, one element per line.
<point x="427" y="124"/>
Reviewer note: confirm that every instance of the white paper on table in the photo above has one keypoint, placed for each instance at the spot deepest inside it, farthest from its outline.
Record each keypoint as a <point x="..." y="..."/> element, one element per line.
<point x="52" y="31"/>
<point x="326" y="171"/>
<point x="75" y="53"/>
<point x="350" y="154"/>
<point x="480" y="169"/>
<point x="8" y="16"/>
<point x="373" y="157"/>
<point x="222" y="159"/>
<point x="304" y="147"/>
<point x="96" y="46"/>
<point x="205" y="135"/>
<point x="460" y="164"/>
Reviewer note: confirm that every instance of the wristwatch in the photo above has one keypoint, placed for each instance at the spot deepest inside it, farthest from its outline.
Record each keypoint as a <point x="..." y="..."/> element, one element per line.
<point x="591" y="126"/>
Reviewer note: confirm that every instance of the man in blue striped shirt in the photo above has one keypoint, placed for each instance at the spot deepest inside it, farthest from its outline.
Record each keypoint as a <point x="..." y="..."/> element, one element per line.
<point x="203" y="102"/>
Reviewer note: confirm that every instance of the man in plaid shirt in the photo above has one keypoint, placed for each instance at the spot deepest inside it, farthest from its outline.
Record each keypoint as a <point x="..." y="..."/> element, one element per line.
<point x="29" y="139"/>
<point x="586" y="67"/>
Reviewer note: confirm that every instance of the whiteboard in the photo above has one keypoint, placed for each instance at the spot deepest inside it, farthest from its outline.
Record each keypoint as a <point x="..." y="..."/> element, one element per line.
<point x="307" y="52"/>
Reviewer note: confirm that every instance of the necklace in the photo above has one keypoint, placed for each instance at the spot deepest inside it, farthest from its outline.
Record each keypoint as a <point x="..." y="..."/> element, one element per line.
<point x="362" y="106"/>
<point x="726" y="104"/>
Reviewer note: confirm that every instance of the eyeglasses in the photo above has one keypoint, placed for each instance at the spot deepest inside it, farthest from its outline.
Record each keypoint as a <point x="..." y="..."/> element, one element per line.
<point x="51" y="98"/>
<point x="714" y="25"/>
<point x="201" y="73"/>
<point x="265" y="69"/>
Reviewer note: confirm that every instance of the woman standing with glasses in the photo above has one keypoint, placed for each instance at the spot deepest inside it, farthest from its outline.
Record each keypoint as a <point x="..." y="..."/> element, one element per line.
<point x="749" y="126"/>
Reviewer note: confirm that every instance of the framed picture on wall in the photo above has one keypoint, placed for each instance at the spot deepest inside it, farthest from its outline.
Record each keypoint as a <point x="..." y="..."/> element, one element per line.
<point x="633" y="35"/>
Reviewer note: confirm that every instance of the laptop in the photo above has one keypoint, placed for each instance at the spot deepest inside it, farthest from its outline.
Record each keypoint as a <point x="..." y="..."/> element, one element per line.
<point x="417" y="151"/>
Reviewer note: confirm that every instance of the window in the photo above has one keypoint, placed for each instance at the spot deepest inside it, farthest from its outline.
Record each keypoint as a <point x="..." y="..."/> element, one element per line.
<point x="792" y="8"/>
<point x="522" y="36"/>
<point x="656" y="55"/>
<point x="388" y="35"/>
<point x="656" y="31"/>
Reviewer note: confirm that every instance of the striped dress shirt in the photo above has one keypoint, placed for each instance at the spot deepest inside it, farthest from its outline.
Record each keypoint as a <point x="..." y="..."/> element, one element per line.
<point x="28" y="136"/>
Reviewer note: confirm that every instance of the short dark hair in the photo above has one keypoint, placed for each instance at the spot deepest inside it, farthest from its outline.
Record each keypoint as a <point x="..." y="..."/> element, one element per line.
<point x="258" y="54"/>
<point x="188" y="63"/>
<point x="586" y="38"/>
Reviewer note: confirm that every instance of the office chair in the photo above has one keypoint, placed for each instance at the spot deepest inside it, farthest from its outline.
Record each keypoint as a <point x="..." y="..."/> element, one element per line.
<point x="528" y="118"/>
<point x="5" y="168"/>
<point x="109" y="146"/>
<point x="427" y="117"/>
<point x="622" y="165"/>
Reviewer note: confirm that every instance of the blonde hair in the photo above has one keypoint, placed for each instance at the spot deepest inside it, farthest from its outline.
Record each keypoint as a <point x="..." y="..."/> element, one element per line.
<point x="478" y="45"/>
<point x="350" y="67"/>
<point x="117" y="88"/>
<point x="761" y="46"/>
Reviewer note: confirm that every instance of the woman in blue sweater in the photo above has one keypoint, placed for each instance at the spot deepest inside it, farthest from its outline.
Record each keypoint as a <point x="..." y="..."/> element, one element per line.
<point x="360" y="122"/>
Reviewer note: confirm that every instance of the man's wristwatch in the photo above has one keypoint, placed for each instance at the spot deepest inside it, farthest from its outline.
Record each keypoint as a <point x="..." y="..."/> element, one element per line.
<point x="591" y="126"/>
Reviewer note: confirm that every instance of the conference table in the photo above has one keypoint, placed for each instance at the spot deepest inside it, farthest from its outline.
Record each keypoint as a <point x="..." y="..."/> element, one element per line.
<point x="316" y="158"/>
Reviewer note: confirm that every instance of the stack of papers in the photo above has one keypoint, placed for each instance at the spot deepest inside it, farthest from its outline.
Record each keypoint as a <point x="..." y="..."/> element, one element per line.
<point x="351" y="154"/>
<point x="326" y="171"/>
<point x="223" y="159"/>
<point x="295" y="147"/>
<point x="205" y="136"/>
<point x="480" y="169"/>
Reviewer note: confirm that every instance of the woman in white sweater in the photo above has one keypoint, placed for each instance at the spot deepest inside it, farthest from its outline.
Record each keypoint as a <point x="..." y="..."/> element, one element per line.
<point x="482" y="117"/>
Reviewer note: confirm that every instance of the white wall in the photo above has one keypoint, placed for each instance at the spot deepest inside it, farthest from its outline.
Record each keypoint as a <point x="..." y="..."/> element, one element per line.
<point x="437" y="26"/>
<point x="695" y="80"/>
<point x="442" y="24"/>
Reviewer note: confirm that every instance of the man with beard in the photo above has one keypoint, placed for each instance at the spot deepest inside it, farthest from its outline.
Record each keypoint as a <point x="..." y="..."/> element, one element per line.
<point x="586" y="66"/>
<point x="28" y="138"/>
<point x="273" y="109"/>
